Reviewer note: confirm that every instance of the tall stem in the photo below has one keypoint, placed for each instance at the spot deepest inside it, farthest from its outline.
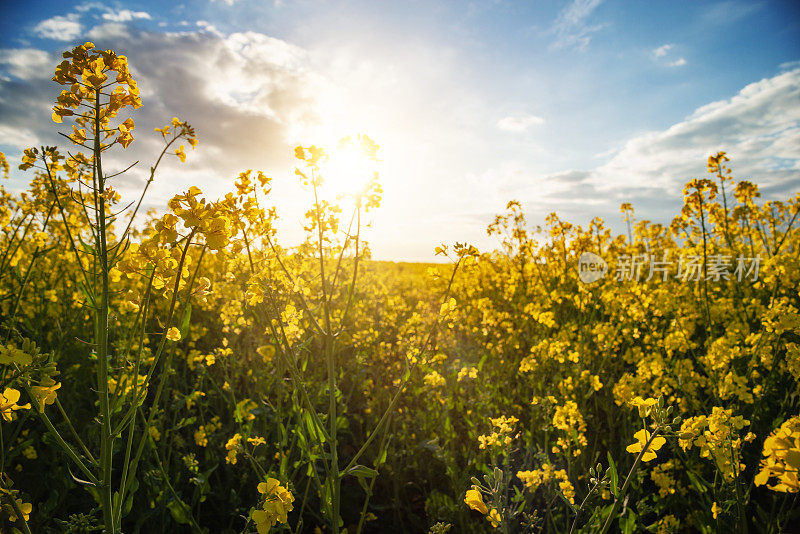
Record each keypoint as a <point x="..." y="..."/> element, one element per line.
<point x="328" y="341"/>
<point x="101" y="330"/>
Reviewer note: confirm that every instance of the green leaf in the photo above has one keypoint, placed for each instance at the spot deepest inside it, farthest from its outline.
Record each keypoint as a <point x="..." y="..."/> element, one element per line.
<point x="382" y="457"/>
<point x="178" y="512"/>
<point x="187" y="315"/>
<point x="313" y="431"/>
<point x="697" y="482"/>
<point x="612" y="467"/>
<point x="629" y="526"/>
<point x="361" y="471"/>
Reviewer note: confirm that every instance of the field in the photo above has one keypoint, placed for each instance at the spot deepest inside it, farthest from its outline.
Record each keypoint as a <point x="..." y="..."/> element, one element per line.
<point x="185" y="371"/>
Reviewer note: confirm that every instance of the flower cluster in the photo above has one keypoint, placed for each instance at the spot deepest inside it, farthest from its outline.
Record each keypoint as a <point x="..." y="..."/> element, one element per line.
<point x="782" y="458"/>
<point x="547" y="474"/>
<point x="718" y="438"/>
<point x="89" y="73"/>
<point x="276" y="505"/>
<point x="503" y="427"/>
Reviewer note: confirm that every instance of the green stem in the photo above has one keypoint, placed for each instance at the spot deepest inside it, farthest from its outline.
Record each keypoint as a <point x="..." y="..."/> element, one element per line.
<point x="101" y="332"/>
<point x="624" y="488"/>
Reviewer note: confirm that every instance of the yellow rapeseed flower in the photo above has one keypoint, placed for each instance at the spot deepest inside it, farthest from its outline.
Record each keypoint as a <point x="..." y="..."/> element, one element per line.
<point x="645" y="406"/>
<point x="474" y="500"/>
<point x="45" y="393"/>
<point x="173" y="334"/>
<point x="8" y="403"/>
<point x="782" y="458"/>
<point x="641" y="440"/>
<point x="277" y="504"/>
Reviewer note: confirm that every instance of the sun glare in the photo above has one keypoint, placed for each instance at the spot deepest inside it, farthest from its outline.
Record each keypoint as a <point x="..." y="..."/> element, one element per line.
<point x="350" y="167"/>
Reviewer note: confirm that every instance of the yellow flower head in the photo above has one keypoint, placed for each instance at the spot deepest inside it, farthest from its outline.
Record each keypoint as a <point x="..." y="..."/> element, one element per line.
<point x="8" y="403"/>
<point x="494" y="518"/>
<point x="645" y="406"/>
<point x="90" y="75"/>
<point x="173" y="334"/>
<point x="3" y="165"/>
<point x="45" y="393"/>
<point x="641" y="440"/>
<point x="782" y="458"/>
<point x="25" y="507"/>
<point x="474" y="500"/>
<point x="277" y="504"/>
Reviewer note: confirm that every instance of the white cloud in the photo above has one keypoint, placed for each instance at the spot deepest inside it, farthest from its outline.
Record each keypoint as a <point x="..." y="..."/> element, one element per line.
<point x="662" y="53"/>
<point x="251" y="71"/>
<point x="26" y="63"/>
<point x="241" y="93"/>
<point x="20" y="138"/>
<point x="790" y="65"/>
<point x="571" y="27"/>
<point x="109" y="31"/>
<point x="125" y="15"/>
<point x="519" y="123"/>
<point x="662" y="50"/>
<point x="210" y="28"/>
<point x="60" y="28"/>
<point x="759" y="128"/>
<point x="88" y="6"/>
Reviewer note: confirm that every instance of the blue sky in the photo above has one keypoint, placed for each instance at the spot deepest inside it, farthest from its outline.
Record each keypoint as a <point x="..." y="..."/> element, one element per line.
<point x="572" y="106"/>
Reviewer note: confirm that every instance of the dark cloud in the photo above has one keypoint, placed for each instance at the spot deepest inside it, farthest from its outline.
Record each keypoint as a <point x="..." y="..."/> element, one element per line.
<point x="197" y="76"/>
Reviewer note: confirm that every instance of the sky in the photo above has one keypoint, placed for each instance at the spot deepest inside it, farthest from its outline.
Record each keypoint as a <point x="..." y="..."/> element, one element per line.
<point x="571" y="107"/>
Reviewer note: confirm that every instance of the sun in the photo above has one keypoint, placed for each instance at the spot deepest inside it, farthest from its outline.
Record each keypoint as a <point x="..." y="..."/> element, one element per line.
<point x="350" y="168"/>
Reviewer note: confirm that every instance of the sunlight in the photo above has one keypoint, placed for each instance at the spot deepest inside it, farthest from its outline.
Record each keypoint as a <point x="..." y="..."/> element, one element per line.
<point x="350" y="167"/>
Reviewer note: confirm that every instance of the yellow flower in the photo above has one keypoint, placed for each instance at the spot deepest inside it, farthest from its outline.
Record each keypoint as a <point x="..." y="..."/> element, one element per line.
<point x="434" y="379"/>
<point x="173" y="334"/>
<point x="181" y="154"/>
<point x="645" y="406"/>
<point x="266" y="352"/>
<point x="782" y="458"/>
<point x="3" y="165"/>
<point x="474" y="500"/>
<point x="45" y="393"/>
<point x="715" y="509"/>
<point x="232" y="446"/>
<point x="277" y="504"/>
<point x="244" y="409"/>
<point x="467" y="372"/>
<point x="200" y="437"/>
<point x="504" y="426"/>
<point x="641" y="439"/>
<point x="494" y="518"/>
<point x="25" y="507"/>
<point x="548" y="473"/>
<point x="8" y="403"/>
